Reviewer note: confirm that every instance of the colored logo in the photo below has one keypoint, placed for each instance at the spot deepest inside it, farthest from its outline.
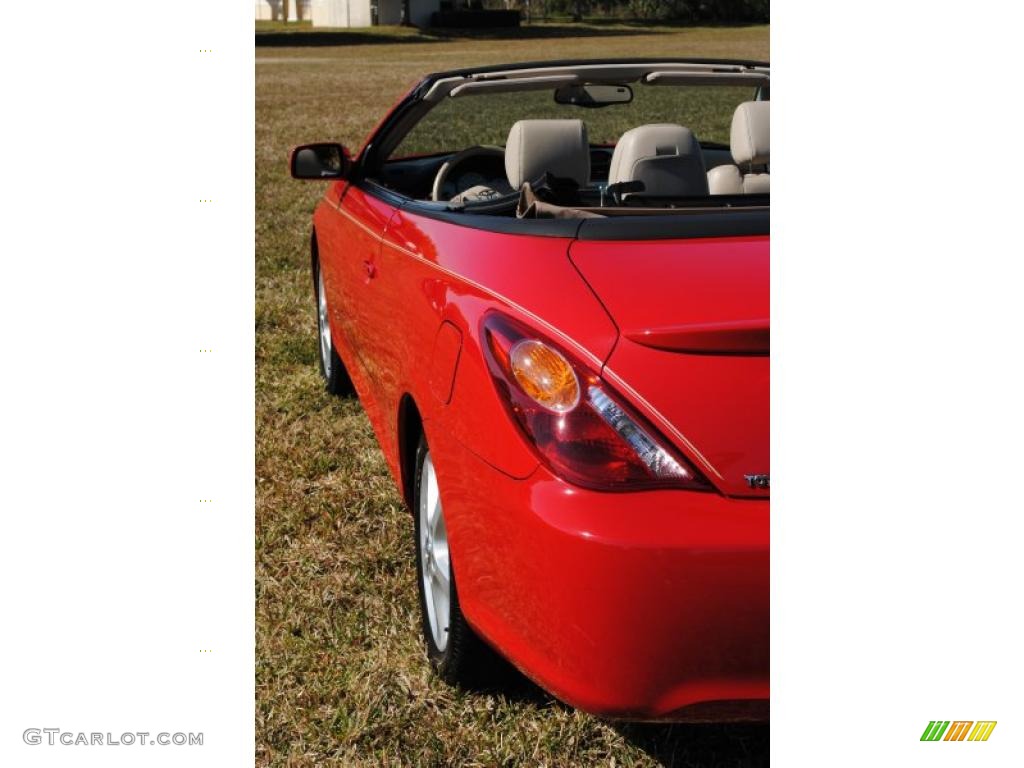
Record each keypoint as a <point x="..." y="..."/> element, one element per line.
<point x="958" y="730"/>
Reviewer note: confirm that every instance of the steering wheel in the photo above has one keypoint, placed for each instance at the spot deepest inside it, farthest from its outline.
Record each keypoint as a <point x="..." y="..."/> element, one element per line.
<point x="452" y="164"/>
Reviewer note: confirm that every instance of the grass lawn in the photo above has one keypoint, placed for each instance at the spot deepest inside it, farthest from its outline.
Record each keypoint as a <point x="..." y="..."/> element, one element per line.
<point x="341" y="678"/>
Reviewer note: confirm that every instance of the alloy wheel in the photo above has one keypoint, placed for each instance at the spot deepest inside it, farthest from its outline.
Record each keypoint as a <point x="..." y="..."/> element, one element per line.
<point x="323" y="324"/>
<point x="435" y="570"/>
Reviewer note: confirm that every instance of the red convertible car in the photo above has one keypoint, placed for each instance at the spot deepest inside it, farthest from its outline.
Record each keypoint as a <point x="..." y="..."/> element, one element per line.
<point x="548" y="284"/>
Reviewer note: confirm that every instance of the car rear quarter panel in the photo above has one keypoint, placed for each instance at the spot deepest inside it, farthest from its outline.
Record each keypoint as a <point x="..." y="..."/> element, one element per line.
<point x="713" y="403"/>
<point x="394" y="277"/>
<point x="431" y="272"/>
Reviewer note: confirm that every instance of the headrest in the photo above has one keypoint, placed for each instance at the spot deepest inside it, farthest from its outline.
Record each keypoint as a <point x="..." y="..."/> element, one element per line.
<point x="558" y="147"/>
<point x="666" y="157"/>
<point x="749" y="136"/>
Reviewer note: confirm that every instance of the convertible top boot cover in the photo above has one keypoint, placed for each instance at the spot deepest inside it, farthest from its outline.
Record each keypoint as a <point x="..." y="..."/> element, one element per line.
<point x="532" y="207"/>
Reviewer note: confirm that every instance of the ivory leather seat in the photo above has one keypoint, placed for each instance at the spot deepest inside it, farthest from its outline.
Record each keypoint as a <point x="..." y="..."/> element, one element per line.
<point x="666" y="157"/>
<point x="538" y="147"/>
<point x="748" y="142"/>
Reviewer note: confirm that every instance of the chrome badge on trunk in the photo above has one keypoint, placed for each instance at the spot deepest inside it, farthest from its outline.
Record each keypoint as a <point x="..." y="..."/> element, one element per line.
<point x="757" y="481"/>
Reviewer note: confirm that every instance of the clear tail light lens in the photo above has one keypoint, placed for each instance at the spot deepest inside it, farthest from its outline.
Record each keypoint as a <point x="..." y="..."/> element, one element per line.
<point x="581" y="429"/>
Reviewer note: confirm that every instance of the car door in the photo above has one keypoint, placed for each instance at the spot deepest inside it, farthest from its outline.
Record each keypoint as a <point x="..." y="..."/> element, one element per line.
<point x="389" y="303"/>
<point x="350" y="234"/>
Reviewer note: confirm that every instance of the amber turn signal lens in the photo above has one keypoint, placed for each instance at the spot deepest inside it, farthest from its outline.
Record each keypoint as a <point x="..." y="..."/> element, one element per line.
<point x="544" y="375"/>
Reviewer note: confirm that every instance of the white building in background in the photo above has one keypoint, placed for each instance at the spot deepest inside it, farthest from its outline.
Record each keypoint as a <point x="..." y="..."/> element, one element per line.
<point x="273" y="10"/>
<point x="347" y="13"/>
<point x="367" y="13"/>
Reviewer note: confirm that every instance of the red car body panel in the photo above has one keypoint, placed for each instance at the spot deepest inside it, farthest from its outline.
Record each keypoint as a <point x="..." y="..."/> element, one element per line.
<point x="714" y="403"/>
<point x="636" y="604"/>
<point x="627" y="605"/>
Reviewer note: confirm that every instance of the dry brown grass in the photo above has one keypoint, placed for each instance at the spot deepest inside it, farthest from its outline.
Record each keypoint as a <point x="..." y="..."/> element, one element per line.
<point x="341" y="678"/>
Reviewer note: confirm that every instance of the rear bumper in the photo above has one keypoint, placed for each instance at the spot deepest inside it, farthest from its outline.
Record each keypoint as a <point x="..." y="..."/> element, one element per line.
<point x="648" y="605"/>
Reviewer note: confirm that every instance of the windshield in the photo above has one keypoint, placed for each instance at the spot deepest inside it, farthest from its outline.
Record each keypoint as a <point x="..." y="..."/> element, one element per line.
<point x="458" y="123"/>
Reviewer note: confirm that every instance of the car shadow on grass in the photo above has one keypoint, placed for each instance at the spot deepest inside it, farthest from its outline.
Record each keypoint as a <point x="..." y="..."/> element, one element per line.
<point x="673" y="745"/>
<point x="700" y="745"/>
<point x="498" y="678"/>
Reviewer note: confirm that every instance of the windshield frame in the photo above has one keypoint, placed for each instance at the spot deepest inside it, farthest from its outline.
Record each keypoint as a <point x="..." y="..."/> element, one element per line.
<point x="423" y="97"/>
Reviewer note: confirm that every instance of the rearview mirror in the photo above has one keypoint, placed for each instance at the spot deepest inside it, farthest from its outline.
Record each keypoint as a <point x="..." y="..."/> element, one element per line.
<point x="319" y="161"/>
<point x="593" y="95"/>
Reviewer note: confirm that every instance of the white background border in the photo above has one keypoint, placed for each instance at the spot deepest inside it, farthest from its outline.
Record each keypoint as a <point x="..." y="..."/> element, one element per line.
<point x="896" y="382"/>
<point x="897" y="409"/>
<point x="115" y="576"/>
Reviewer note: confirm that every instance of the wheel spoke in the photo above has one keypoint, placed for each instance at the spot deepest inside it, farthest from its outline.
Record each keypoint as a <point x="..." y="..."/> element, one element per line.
<point x="440" y="576"/>
<point x="436" y="520"/>
<point x="441" y="559"/>
<point x="440" y="628"/>
<point x="433" y="498"/>
<point x="324" y="324"/>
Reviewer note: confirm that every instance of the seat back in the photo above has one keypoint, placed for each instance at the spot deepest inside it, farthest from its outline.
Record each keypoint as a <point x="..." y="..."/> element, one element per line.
<point x="537" y="147"/>
<point x="749" y="144"/>
<point x="664" y="156"/>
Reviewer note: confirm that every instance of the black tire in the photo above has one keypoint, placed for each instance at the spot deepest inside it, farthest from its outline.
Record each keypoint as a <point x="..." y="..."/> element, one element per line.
<point x="336" y="379"/>
<point x="465" y="656"/>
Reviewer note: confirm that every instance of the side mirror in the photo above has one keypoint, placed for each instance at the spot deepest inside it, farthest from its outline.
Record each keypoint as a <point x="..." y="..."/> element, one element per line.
<point x="320" y="162"/>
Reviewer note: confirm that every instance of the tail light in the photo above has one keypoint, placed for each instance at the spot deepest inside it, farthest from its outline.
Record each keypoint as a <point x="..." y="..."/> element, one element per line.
<point x="581" y="429"/>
